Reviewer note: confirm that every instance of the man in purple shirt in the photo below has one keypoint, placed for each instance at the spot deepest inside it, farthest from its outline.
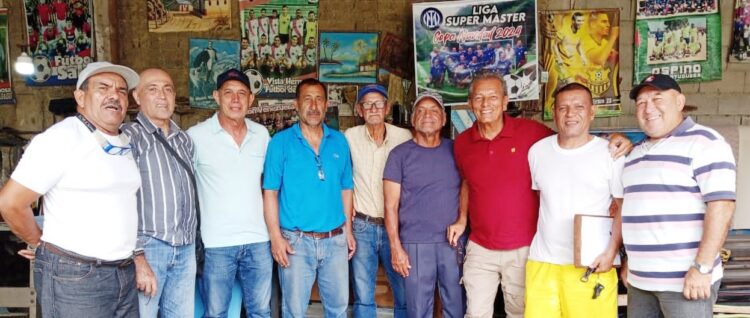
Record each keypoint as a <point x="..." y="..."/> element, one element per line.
<point x="421" y="189"/>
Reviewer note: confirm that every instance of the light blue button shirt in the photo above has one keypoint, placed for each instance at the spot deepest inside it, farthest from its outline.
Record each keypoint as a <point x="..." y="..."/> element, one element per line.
<point x="229" y="183"/>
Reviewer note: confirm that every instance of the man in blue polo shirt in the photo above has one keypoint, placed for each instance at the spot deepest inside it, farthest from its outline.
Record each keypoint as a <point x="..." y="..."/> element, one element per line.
<point x="308" y="204"/>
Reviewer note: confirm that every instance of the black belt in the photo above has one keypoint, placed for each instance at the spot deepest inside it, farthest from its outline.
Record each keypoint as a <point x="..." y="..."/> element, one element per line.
<point x="85" y="259"/>
<point x="369" y="219"/>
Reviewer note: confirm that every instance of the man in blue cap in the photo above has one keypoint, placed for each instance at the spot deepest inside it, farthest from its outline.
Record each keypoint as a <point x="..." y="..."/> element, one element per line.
<point x="370" y="145"/>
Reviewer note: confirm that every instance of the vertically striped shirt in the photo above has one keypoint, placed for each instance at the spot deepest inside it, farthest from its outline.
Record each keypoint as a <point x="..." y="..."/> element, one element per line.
<point x="667" y="186"/>
<point x="166" y="202"/>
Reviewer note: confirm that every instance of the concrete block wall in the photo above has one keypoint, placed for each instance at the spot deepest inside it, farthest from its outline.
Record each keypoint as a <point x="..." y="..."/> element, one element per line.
<point x="718" y="103"/>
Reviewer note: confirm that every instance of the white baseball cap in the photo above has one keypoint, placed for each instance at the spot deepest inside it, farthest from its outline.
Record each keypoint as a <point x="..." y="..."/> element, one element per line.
<point x="93" y="68"/>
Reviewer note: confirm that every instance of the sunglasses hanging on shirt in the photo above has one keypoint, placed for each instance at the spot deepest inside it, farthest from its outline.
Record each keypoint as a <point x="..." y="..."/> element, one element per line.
<point x="108" y="147"/>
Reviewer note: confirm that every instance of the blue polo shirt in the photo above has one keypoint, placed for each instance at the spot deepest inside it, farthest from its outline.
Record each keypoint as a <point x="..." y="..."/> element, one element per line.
<point x="306" y="202"/>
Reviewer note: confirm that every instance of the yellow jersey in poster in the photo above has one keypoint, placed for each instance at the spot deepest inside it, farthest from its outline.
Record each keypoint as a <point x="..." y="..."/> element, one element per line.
<point x="596" y="74"/>
<point x="568" y="52"/>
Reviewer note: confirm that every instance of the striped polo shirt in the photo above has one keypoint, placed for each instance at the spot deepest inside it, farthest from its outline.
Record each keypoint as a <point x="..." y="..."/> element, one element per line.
<point x="667" y="185"/>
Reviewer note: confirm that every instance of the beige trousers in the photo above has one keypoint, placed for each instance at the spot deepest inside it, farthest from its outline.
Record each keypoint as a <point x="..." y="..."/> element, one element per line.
<point x="484" y="269"/>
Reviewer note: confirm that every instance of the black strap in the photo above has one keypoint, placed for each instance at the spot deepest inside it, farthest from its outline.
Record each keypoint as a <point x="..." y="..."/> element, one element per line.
<point x="182" y="163"/>
<point x="91" y="126"/>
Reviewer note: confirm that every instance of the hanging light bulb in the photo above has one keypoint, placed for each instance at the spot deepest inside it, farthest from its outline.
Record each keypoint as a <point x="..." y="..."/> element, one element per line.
<point x="24" y="65"/>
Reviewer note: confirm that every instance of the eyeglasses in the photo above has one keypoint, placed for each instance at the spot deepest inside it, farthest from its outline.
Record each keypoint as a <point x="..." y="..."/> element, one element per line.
<point x="111" y="149"/>
<point x="379" y="104"/>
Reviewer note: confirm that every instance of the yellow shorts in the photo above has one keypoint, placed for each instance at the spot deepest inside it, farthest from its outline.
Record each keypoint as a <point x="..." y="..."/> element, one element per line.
<point x="556" y="291"/>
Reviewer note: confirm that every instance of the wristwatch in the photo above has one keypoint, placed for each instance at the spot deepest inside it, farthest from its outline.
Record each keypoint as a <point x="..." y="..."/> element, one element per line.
<point x="702" y="268"/>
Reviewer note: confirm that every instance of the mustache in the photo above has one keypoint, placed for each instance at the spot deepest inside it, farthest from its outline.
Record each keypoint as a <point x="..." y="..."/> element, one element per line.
<point x="313" y="112"/>
<point x="112" y="103"/>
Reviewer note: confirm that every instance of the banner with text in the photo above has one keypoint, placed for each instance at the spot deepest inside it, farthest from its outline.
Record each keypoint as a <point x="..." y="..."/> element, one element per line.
<point x="453" y="41"/>
<point x="681" y="40"/>
<point x="60" y="38"/>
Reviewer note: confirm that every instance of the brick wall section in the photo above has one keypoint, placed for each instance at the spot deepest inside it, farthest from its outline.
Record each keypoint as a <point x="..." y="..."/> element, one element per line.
<point x="719" y="102"/>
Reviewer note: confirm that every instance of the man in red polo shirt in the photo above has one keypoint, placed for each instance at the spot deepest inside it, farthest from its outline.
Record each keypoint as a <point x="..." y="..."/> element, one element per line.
<point x="496" y="197"/>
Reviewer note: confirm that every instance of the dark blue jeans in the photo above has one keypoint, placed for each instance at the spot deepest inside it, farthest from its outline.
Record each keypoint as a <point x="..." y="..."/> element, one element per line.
<point x="433" y="264"/>
<point x="69" y="288"/>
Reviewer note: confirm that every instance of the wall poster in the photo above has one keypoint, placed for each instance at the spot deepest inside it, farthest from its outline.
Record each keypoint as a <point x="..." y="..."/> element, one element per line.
<point x="348" y="57"/>
<point x="581" y="46"/>
<point x="208" y="59"/>
<point x="6" y="85"/>
<point x="60" y="39"/>
<point x="188" y="15"/>
<point x="343" y="97"/>
<point x="741" y="32"/>
<point x="455" y="40"/>
<point x="680" y="40"/>
<point x="394" y="56"/>
<point x="279" y="44"/>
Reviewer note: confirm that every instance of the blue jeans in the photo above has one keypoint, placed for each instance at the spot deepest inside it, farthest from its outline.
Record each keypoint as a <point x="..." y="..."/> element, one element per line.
<point x="373" y="247"/>
<point x="327" y="259"/>
<point x="174" y="269"/>
<point x="69" y="288"/>
<point x="253" y="264"/>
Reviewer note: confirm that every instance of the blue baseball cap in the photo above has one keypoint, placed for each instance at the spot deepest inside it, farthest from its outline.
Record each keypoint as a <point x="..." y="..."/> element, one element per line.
<point x="371" y="88"/>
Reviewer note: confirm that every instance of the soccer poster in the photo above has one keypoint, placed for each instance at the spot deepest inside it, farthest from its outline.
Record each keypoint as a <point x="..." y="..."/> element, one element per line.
<point x="6" y="88"/>
<point x="60" y="38"/>
<point x="681" y="40"/>
<point x="279" y="44"/>
<point x="741" y="32"/>
<point x="455" y="40"/>
<point x="208" y="59"/>
<point x="581" y="46"/>
<point x="188" y="15"/>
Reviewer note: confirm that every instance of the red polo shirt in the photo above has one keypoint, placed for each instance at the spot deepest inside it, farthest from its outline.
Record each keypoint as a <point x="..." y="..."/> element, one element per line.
<point x="503" y="208"/>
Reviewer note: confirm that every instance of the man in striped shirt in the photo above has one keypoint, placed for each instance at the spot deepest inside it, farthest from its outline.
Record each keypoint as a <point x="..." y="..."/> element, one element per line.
<point x="165" y="249"/>
<point x="679" y="193"/>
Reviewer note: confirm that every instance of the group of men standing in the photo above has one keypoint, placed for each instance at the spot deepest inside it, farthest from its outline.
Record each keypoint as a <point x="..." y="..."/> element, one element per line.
<point x="122" y="205"/>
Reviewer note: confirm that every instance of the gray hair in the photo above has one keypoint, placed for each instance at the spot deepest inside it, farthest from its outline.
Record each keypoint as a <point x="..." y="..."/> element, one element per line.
<point x="487" y="75"/>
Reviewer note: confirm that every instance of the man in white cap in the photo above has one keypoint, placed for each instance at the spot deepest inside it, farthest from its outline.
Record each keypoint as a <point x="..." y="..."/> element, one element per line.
<point x="370" y="145"/>
<point x="85" y="171"/>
